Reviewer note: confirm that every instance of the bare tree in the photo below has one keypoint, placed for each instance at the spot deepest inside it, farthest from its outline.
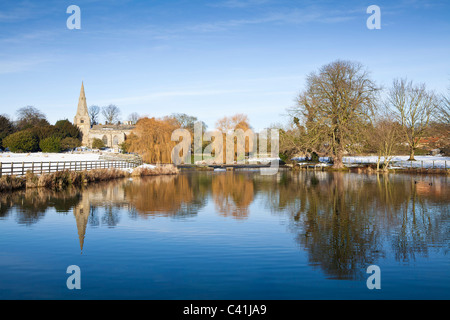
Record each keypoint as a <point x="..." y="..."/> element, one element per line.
<point x="384" y="136"/>
<point x="443" y="112"/>
<point x="111" y="113"/>
<point x="237" y="121"/>
<point x="186" y="121"/>
<point x="292" y="139"/>
<point x="413" y="106"/>
<point x="134" y="117"/>
<point x="29" y="116"/>
<point x="334" y="109"/>
<point x="94" y="112"/>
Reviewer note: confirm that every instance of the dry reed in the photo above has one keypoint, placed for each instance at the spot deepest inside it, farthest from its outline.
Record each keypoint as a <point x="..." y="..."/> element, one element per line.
<point x="63" y="179"/>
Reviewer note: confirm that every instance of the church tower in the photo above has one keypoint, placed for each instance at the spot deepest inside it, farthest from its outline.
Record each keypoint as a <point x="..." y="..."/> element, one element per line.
<point x="82" y="119"/>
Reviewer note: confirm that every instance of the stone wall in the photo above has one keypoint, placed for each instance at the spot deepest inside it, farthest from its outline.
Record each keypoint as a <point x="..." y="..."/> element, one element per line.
<point x="111" y="138"/>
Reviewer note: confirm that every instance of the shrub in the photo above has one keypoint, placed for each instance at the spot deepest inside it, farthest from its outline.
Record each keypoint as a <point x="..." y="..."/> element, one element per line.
<point x="51" y="144"/>
<point x="97" y="144"/>
<point x="124" y="147"/>
<point x="284" y="157"/>
<point x="314" y="157"/>
<point x="6" y="128"/>
<point x="22" y="141"/>
<point x="43" y="132"/>
<point x="70" y="143"/>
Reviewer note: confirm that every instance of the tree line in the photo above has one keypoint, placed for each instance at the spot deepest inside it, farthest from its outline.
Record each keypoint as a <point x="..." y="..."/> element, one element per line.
<point x="343" y="111"/>
<point x="151" y="137"/>
<point x="32" y="132"/>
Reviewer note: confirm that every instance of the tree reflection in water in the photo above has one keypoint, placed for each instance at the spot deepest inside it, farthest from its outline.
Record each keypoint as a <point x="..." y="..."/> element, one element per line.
<point x="345" y="222"/>
<point x="348" y="221"/>
<point x="232" y="194"/>
<point x="31" y="204"/>
<point x="176" y="196"/>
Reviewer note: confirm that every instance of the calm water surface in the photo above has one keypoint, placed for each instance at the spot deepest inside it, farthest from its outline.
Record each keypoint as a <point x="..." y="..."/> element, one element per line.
<point x="221" y="235"/>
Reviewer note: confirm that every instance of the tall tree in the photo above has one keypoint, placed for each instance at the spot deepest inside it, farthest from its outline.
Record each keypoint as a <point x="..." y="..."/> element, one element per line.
<point x="111" y="113"/>
<point x="152" y="140"/>
<point x="413" y="106"/>
<point x="337" y="104"/>
<point x="94" y="112"/>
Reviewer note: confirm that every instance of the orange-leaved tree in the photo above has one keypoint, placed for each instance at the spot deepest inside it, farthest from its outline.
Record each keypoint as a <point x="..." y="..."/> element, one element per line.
<point x="152" y="139"/>
<point x="230" y="125"/>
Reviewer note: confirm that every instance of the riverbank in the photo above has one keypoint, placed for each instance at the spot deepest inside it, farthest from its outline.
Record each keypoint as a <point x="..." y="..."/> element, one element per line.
<point x="65" y="178"/>
<point x="369" y="168"/>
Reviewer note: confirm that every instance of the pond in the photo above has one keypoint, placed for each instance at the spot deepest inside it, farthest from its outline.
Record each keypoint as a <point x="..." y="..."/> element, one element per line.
<point x="230" y="235"/>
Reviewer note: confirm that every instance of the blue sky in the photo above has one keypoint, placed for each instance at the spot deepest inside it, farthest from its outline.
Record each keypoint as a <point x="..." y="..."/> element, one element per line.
<point x="208" y="58"/>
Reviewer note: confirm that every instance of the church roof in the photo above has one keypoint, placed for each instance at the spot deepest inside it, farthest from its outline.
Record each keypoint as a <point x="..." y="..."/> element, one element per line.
<point x="112" y="127"/>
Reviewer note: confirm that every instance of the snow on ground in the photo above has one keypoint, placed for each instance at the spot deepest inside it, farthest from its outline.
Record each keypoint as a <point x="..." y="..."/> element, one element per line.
<point x="397" y="161"/>
<point x="6" y="157"/>
<point x="264" y="160"/>
<point x="142" y="166"/>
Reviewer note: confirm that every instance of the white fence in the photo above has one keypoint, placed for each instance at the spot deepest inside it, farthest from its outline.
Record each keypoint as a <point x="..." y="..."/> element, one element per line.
<point x="21" y="168"/>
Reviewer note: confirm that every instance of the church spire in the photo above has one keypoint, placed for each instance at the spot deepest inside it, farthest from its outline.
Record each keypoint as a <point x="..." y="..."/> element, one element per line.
<point x="82" y="119"/>
<point x="82" y="106"/>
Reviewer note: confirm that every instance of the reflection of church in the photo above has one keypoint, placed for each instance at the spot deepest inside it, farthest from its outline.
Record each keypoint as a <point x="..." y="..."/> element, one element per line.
<point x="81" y="213"/>
<point x="91" y="198"/>
<point x="112" y="135"/>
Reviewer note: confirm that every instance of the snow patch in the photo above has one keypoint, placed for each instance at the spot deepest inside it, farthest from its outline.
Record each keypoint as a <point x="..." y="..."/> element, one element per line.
<point x="6" y="157"/>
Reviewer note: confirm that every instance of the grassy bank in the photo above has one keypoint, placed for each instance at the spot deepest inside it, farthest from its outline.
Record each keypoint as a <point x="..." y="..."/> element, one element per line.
<point x="63" y="179"/>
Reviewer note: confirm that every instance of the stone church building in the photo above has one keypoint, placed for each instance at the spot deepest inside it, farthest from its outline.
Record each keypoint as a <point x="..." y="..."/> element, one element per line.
<point x="112" y="135"/>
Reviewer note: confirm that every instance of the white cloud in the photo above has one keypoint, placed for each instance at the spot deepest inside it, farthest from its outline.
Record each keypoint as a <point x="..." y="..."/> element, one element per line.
<point x="24" y="64"/>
